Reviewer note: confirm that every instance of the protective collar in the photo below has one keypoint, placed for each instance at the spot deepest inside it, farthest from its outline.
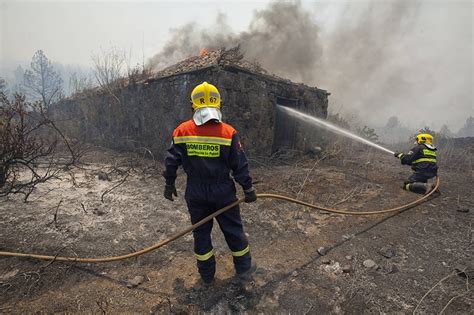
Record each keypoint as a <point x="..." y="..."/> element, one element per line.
<point x="430" y="146"/>
<point x="203" y="115"/>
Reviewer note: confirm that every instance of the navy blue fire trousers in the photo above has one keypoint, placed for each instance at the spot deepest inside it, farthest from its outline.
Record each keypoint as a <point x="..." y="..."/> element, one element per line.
<point x="421" y="177"/>
<point x="203" y="198"/>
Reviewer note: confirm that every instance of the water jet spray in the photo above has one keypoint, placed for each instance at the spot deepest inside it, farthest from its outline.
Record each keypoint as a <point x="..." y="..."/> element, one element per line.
<point x="323" y="123"/>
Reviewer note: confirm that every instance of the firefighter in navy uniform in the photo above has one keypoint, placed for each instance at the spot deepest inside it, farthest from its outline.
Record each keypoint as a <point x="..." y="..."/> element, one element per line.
<point x="422" y="159"/>
<point x="209" y="150"/>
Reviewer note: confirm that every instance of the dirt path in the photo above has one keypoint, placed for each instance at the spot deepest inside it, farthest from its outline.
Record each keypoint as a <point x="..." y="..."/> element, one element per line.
<point x="411" y="251"/>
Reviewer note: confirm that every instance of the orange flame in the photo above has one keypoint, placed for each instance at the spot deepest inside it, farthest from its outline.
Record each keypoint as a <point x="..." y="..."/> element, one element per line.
<point x="203" y="52"/>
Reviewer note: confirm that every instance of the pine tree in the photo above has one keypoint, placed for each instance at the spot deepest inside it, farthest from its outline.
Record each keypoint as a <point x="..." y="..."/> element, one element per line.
<point x="42" y="80"/>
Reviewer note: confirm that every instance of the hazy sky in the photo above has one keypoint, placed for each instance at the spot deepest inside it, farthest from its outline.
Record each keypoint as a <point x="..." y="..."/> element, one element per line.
<point x="70" y="31"/>
<point x="377" y="58"/>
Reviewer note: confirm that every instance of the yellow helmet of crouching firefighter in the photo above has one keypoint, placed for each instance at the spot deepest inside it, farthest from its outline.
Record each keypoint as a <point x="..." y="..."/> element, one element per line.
<point x="205" y="95"/>
<point x="424" y="138"/>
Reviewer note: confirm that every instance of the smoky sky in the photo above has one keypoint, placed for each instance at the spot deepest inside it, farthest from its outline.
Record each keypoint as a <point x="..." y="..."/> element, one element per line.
<point x="406" y="58"/>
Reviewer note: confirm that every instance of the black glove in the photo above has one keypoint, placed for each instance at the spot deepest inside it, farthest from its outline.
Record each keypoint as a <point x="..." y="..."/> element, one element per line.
<point x="170" y="190"/>
<point x="398" y="155"/>
<point x="250" y="195"/>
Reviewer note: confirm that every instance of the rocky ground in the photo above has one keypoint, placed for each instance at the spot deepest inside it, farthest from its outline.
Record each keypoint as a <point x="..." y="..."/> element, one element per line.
<point x="308" y="262"/>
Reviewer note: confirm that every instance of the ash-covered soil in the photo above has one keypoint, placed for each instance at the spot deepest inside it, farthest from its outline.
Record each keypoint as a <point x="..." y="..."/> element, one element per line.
<point x="395" y="263"/>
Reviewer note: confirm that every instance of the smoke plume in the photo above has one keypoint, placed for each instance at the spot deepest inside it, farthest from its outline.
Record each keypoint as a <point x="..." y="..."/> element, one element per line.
<point x="377" y="58"/>
<point x="283" y="38"/>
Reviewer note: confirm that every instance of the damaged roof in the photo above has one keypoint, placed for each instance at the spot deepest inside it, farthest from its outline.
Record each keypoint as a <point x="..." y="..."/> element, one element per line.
<point x="218" y="58"/>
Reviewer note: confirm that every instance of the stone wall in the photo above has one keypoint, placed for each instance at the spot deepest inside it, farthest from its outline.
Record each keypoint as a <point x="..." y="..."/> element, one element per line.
<point x="145" y="114"/>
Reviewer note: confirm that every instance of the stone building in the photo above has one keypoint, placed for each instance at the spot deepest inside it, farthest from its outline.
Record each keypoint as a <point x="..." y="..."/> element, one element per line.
<point x="144" y="114"/>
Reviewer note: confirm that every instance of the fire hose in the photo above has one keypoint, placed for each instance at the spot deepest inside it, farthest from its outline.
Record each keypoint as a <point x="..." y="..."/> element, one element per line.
<point x="210" y="217"/>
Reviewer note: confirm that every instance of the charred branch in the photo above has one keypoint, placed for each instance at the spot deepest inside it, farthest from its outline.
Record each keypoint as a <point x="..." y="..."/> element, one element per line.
<point x="29" y="146"/>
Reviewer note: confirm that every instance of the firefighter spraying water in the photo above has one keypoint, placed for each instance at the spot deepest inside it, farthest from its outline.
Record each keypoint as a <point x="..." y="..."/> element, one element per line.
<point x="421" y="158"/>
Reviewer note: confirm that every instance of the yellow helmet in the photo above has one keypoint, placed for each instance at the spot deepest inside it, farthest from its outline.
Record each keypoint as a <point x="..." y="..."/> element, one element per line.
<point x="205" y="95"/>
<point x="424" y="138"/>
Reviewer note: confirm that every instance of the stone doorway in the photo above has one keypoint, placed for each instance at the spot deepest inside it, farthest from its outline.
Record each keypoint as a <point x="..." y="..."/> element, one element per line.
<point x="285" y="126"/>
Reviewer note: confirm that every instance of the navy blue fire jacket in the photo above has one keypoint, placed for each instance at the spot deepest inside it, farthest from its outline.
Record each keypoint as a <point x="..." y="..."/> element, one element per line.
<point x="209" y="152"/>
<point x="421" y="158"/>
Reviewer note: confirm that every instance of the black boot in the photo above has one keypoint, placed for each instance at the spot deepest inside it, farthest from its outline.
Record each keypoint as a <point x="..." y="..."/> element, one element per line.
<point x="207" y="269"/>
<point x="418" y="188"/>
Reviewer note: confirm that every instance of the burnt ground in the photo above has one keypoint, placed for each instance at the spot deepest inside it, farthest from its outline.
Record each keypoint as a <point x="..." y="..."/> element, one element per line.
<point x="412" y="251"/>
